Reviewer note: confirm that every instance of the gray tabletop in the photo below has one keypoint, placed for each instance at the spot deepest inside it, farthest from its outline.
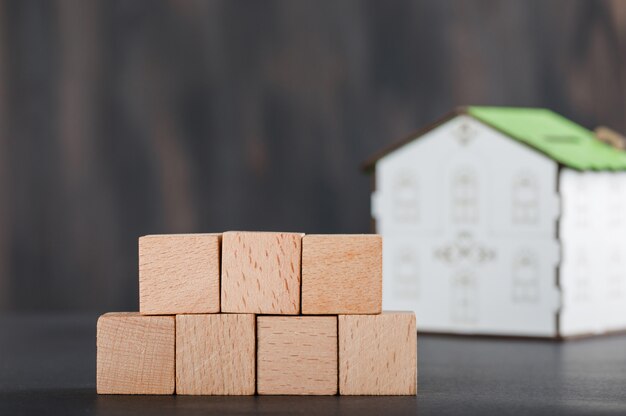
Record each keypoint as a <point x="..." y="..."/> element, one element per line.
<point x="47" y="366"/>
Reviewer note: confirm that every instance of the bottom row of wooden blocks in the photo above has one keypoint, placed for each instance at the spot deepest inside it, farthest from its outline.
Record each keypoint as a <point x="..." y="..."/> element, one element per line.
<point x="240" y="354"/>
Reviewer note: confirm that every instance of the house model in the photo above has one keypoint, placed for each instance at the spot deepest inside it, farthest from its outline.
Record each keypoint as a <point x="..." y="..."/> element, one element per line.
<point x="504" y="221"/>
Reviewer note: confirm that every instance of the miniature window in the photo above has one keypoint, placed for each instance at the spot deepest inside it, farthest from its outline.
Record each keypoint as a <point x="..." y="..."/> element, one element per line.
<point x="464" y="302"/>
<point x="616" y="275"/>
<point x="581" y="209"/>
<point x="615" y="207"/>
<point x="464" y="196"/>
<point x="464" y="134"/>
<point x="405" y="198"/>
<point x="406" y="274"/>
<point x="525" y="287"/>
<point x="581" y="288"/>
<point x="525" y="199"/>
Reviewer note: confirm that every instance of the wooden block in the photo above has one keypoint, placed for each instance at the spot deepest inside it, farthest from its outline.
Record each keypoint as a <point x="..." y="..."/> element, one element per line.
<point x="179" y="273"/>
<point x="135" y="354"/>
<point x="261" y="272"/>
<point x="215" y="354"/>
<point x="378" y="354"/>
<point x="341" y="274"/>
<point x="297" y="355"/>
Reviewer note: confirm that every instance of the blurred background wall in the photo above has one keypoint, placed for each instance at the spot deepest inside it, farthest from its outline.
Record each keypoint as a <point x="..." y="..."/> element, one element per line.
<point x="121" y="118"/>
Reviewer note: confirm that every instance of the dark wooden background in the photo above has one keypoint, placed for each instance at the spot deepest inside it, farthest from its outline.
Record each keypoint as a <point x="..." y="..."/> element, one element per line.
<point x="121" y="118"/>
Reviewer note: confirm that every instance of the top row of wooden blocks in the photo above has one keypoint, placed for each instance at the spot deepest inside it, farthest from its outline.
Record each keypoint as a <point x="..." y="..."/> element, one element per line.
<point x="261" y="273"/>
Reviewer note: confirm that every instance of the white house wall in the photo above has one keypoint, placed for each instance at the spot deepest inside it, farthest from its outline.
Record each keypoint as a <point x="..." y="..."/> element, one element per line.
<point x="468" y="218"/>
<point x="593" y="232"/>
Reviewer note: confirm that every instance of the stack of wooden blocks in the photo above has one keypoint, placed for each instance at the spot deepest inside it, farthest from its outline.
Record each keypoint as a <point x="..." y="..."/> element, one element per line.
<point x="241" y="313"/>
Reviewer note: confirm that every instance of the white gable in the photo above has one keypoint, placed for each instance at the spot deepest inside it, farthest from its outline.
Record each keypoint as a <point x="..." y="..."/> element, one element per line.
<point x="469" y="146"/>
<point x="468" y="217"/>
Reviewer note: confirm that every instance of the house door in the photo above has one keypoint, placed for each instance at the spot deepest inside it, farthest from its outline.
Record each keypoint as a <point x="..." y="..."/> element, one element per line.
<point x="406" y="274"/>
<point x="464" y="298"/>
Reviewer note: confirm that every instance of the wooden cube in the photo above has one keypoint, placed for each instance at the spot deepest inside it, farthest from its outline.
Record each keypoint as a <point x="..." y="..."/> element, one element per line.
<point x="135" y="354"/>
<point x="378" y="354"/>
<point x="261" y="272"/>
<point x="215" y="354"/>
<point x="179" y="273"/>
<point x="297" y="355"/>
<point x="341" y="274"/>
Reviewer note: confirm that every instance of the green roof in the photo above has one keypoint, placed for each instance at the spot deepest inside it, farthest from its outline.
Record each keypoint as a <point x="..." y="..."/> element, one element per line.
<point x="552" y="134"/>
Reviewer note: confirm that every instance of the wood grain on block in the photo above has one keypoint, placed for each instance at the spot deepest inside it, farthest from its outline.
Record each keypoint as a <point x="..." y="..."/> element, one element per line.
<point x="215" y="354"/>
<point x="179" y="273"/>
<point x="341" y="274"/>
<point x="261" y="272"/>
<point x="378" y="354"/>
<point x="135" y="354"/>
<point x="297" y="355"/>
